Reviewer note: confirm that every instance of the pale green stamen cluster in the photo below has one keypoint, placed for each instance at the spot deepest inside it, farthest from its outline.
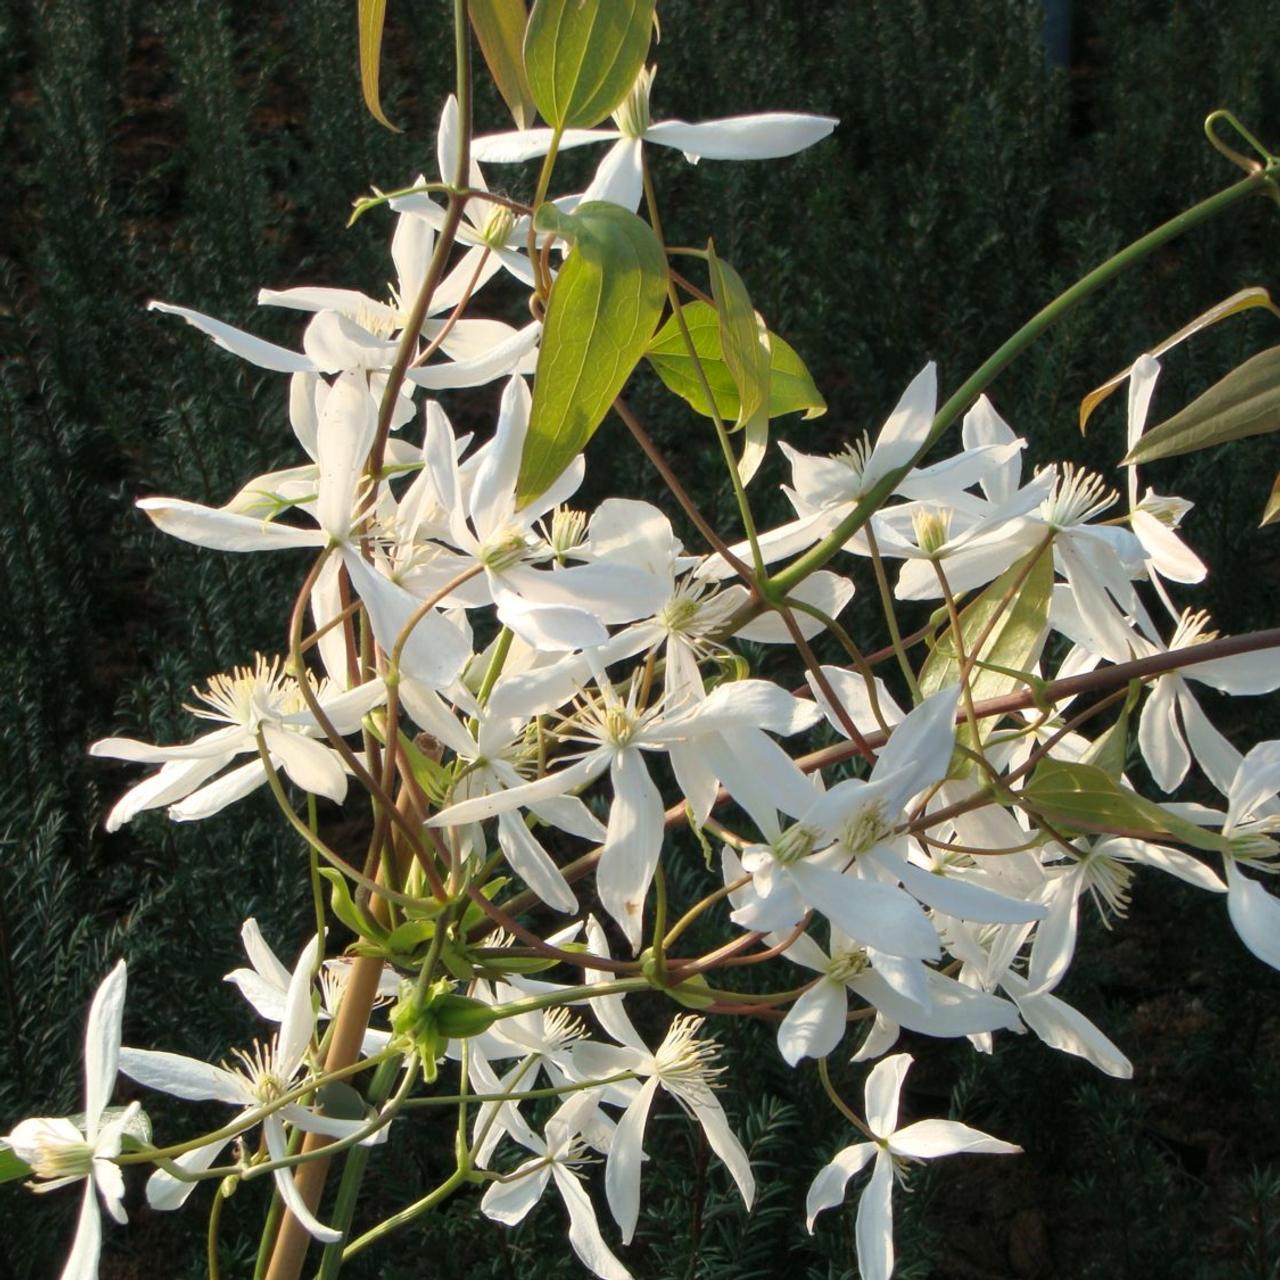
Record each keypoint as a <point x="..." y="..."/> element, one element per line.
<point x="248" y="695"/>
<point x="1078" y="496"/>
<point x="687" y="1066"/>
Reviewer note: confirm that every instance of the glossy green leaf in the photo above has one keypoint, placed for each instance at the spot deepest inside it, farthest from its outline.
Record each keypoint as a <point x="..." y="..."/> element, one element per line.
<point x="341" y="1101"/>
<point x="582" y="57"/>
<point x="791" y="389"/>
<point x="1014" y="642"/>
<point x="1245" y="403"/>
<point x="1271" y="513"/>
<point x="1084" y="798"/>
<point x="1110" y="751"/>
<point x="370" y="15"/>
<point x="601" y="314"/>
<point x="499" y="26"/>
<point x="1244" y="300"/>
<point x="746" y="357"/>
<point x="10" y="1166"/>
<point x="360" y="922"/>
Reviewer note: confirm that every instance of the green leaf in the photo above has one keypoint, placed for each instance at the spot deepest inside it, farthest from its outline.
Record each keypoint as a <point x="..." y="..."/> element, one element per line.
<point x="601" y="313"/>
<point x="582" y="57"/>
<point x="1084" y="798"/>
<point x="360" y="922"/>
<point x="434" y="779"/>
<point x="1245" y="403"/>
<point x="1014" y="643"/>
<point x="1245" y="300"/>
<point x="405" y="939"/>
<point x="499" y="26"/>
<point x="369" y="17"/>
<point x="791" y="389"/>
<point x="1110" y="751"/>
<point x="10" y="1166"/>
<point x="1271" y="513"/>
<point x="338" y="1099"/>
<point x="746" y="357"/>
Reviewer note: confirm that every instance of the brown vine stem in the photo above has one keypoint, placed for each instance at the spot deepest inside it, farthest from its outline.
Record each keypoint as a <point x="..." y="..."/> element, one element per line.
<point x="681" y="494"/>
<point x="1103" y="679"/>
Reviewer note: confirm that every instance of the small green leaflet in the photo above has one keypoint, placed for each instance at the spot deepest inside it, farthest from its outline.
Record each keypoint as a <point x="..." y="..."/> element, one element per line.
<point x="1271" y="512"/>
<point x="1245" y="403"/>
<point x="1014" y="643"/>
<point x="1245" y="300"/>
<point x="1083" y="797"/>
<point x="582" y="57"/>
<point x="369" y="17"/>
<point x="744" y="341"/>
<point x="499" y="26"/>
<point x="601" y="313"/>
<point x="791" y="389"/>
<point x="10" y="1166"/>
<point x="745" y="355"/>
<point x="1110" y="751"/>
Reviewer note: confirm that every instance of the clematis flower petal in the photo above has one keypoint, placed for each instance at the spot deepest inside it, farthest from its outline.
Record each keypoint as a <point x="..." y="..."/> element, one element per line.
<point x="928" y="1138"/>
<point x="828" y="1188"/>
<point x="266" y="355"/>
<point x="622" y="1170"/>
<point x="873" y="1230"/>
<point x="764" y="136"/>
<point x="884" y="1084"/>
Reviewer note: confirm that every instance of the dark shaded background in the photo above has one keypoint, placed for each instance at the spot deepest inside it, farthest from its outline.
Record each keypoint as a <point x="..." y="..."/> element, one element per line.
<point x="194" y="151"/>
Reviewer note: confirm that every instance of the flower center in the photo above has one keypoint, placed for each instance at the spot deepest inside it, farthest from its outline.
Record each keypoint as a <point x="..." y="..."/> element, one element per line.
<point x="567" y="530"/>
<point x="863" y="830"/>
<point x="497" y="226"/>
<point x="1108" y="880"/>
<point x="503" y="551"/>
<point x="1193" y="628"/>
<point x="632" y="117"/>
<point x="847" y="965"/>
<point x="855" y="456"/>
<point x="260" y="1069"/>
<point x="249" y="695"/>
<point x="794" y="843"/>
<point x="686" y="1065"/>
<point x="1077" y="496"/>
<point x="932" y="527"/>
<point x="380" y="323"/>
<point x="60" y="1159"/>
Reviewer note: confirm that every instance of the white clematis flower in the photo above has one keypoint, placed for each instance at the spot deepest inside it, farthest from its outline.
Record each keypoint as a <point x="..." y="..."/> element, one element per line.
<point x="59" y="1152"/>
<point x="891" y="1148"/>
<point x="687" y="1069"/>
<point x="249" y="701"/>
<point x="768" y="136"/>
<point x="555" y="1159"/>
<point x="261" y="1078"/>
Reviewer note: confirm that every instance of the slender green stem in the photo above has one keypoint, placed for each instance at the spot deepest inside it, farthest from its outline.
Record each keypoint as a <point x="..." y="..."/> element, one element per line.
<point x="344" y="1206"/>
<point x="215" y="1221"/>
<point x="839" y="1103"/>
<point x="271" y="1225"/>
<point x="890" y="617"/>
<point x="458" y="1178"/>
<point x="659" y="925"/>
<point x="527" y="1095"/>
<point x="496" y="663"/>
<point x="563" y="995"/>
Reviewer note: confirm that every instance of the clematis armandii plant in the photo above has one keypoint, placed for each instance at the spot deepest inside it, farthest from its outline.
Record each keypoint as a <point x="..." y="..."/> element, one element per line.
<point x="919" y="879"/>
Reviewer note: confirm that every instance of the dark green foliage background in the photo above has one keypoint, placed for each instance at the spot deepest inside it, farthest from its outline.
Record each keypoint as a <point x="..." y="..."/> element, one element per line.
<point x="194" y="150"/>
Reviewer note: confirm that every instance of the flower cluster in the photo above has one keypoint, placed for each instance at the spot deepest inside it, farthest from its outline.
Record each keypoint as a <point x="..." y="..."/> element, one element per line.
<point x="533" y="697"/>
